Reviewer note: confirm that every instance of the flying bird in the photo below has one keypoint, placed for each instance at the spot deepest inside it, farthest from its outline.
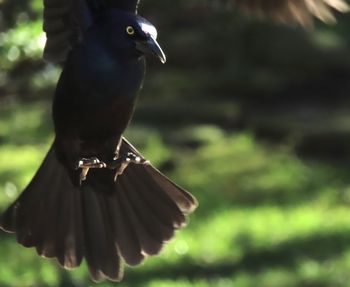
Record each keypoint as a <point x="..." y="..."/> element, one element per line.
<point x="95" y="197"/>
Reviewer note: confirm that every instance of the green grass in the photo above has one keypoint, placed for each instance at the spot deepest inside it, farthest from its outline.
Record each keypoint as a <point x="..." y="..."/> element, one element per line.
<point x="266" y="217"/>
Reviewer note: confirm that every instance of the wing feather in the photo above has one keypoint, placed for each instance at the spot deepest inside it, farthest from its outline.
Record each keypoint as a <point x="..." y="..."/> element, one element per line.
<point x="294" y="11"/>
<point x="65" y="22"/>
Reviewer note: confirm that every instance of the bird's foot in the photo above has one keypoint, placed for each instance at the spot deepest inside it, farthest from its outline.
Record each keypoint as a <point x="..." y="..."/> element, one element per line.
<point x="92" y="162"/>
<point x="86" y="163"/>
<point x="120" y="163"/>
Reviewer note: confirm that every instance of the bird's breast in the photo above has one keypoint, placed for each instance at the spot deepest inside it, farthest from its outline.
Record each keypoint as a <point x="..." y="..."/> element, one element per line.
<point x="107" y="79"/>
<point x="96" y="95"/>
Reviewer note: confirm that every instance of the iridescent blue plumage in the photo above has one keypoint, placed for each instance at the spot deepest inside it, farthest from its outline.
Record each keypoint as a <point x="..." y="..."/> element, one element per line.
<point x="95" y="196"/>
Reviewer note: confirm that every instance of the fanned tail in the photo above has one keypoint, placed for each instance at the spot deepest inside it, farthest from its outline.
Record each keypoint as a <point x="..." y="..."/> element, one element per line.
<point x="103" y="221"/>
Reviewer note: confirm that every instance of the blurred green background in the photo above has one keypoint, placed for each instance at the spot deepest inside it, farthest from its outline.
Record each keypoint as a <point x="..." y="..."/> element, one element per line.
<point x="253" y="118"/>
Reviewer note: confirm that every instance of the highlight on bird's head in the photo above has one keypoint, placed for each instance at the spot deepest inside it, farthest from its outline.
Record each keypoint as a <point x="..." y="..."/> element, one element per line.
<point x="146" y="38"/>
<point x="133" y="33"/>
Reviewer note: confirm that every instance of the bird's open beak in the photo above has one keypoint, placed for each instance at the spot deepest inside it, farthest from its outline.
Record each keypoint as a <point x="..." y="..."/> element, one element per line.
<point x="151" y="47"/>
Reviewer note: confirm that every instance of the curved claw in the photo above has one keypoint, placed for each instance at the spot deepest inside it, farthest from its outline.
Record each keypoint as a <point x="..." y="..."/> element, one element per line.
<point x="121" y="163"/>
<point x="92" y="162"/>
<point x="86" y="163"/>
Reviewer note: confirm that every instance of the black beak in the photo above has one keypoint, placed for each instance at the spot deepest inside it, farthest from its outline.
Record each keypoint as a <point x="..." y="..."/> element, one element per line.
<point x="151" y="47"/>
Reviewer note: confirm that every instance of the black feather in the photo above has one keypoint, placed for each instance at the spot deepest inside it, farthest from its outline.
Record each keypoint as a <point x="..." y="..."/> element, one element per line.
<point x="149" y="245"/>
<point x="126" y="238"/>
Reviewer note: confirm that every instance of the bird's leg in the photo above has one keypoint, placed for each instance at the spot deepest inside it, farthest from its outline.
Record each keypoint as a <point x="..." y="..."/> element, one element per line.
<point x="120" y="163"/>
<point x="117" y="149"/>
<point x="86" y="163"/>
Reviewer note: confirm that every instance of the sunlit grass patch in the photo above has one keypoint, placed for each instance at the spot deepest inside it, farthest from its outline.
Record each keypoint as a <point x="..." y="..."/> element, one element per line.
<point x="242" y="171"/>
<point x="21" y="267"/>
<point x="17" y="166"/>
<point x="235" y="236"/>
<point x="23" y="124"/>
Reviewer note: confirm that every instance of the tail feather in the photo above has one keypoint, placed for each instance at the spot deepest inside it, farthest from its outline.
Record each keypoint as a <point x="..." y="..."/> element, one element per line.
<point x="148" y="244"/>
<point x="103" y="221"/>
<point x="161" y="204"/>
<point x="29" y="212"/>
<point x="101" y="253"/>
<point x="48" y="225"/>
<point x="76" y="242"/>
<point x="68" y="240"/>
<point x="126" y="238"/>
<point x="112" y="267"/>
<point x="155" y="226"/>
<point x="185" y="201"/>
<point x="57" y="209"/>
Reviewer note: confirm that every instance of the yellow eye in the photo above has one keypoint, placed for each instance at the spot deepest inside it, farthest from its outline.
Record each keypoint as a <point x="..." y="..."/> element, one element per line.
<point x="130" y="30"/>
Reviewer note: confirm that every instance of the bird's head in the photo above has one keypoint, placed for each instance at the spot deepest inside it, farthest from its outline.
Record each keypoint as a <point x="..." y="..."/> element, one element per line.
<point x="132" y="34"/>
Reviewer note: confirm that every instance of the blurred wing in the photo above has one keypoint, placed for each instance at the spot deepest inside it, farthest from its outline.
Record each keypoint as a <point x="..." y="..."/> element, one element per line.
<point x="64" y="24"/>
<point x="66" y="20"/>
<point x="294" y="11"/>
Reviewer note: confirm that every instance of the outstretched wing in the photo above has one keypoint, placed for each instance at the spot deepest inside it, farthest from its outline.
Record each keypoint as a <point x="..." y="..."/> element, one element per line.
<point x="294" y="11"/>
<point x="66" y="20"/>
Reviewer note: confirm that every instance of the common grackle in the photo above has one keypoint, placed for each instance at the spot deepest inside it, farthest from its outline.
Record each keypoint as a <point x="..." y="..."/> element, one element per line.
<point x="95" y="196"/>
